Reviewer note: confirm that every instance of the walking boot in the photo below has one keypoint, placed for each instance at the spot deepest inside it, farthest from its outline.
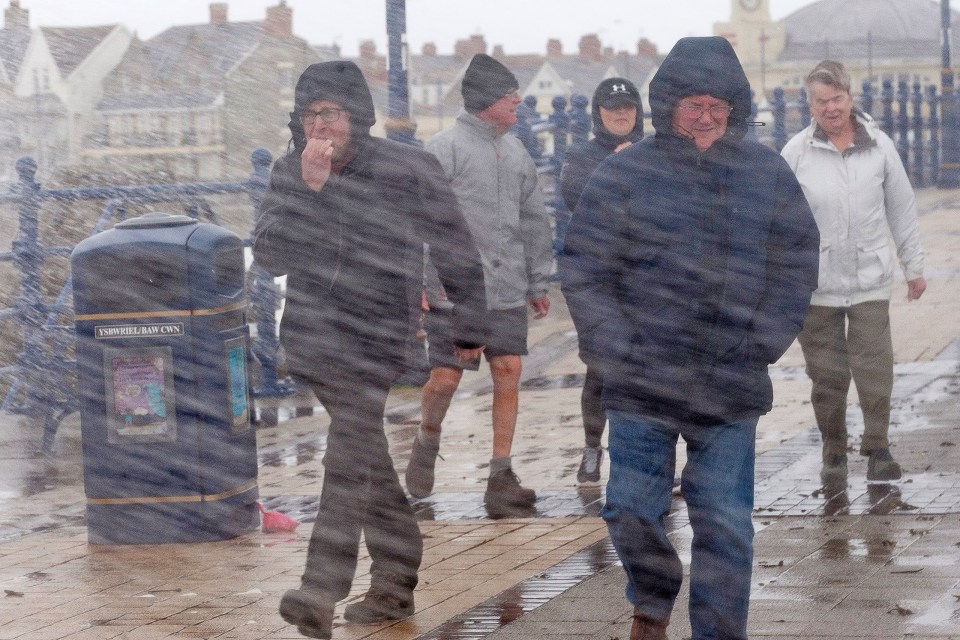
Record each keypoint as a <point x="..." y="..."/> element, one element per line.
<point x="420" y="469"/>
<point x="881" y="466"/>
<point x="645" y="628"/>
<point x="505" y="497"/>
<point x="386" y="599"/>
<point x="310" y="612"/>
<point x="589" y="472"/>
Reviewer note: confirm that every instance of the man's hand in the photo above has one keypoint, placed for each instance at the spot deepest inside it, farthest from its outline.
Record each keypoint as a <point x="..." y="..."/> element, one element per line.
<point x="541" y="306"/>
<point x="315" y="162"/>
<point x="915" y="288"/>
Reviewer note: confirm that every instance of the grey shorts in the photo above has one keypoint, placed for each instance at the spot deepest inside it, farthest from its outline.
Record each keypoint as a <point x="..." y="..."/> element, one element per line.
<point x="507" y="337"/>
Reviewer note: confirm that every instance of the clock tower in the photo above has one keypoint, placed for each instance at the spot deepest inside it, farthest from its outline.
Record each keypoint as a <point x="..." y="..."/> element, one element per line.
<point x="757" y="40"/>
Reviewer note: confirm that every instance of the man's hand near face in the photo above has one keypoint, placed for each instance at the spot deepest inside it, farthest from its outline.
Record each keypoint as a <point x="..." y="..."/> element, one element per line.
<point x="315" y="162"/>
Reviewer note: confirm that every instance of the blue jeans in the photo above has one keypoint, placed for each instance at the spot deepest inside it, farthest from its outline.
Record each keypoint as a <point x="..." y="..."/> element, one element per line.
<point x="717" y="484"/>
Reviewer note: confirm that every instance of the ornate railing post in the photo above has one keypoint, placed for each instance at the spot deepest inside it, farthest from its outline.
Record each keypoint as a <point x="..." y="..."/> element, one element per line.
<point x="918" y="169"/>
<point x="523" y="129"/>
<point x="28" y="259"/>
<point x="933" y="103"/>
<point x="804" y="109"/>
<point x="778" y="108"/>
<point x="903" y="125"/>
<point x="866" y="98"/>
<point x="561" y="127"/>
<point x="886" y="100"/>
<point x="580" y="121"/>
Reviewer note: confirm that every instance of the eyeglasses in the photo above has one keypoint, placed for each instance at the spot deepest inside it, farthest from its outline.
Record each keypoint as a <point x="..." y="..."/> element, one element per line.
<point x="327" y="114"/>
<point x="696" y="111"/>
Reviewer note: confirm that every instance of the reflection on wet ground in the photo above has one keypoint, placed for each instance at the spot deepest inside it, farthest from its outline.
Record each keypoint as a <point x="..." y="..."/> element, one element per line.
<point x="509" y="605"/>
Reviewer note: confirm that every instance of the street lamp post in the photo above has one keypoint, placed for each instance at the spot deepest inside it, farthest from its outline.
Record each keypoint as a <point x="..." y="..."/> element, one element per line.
<point x="950" y="156"/>
<point x="399" y="126"/>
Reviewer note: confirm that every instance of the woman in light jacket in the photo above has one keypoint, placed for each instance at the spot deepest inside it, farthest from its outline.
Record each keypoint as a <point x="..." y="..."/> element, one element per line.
<point x="860" y="194"/>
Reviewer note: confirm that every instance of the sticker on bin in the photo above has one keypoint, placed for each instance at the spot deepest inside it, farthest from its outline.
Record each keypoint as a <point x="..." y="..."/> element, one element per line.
<point x="155" y="330"/>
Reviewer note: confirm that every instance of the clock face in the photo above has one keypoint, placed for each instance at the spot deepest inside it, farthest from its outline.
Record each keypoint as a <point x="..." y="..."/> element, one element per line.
<point x="749" y="5"/>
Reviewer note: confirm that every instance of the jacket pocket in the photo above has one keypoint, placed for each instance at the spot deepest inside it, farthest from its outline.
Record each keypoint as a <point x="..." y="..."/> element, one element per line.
<point x="874" y="266"/>
<point x="823" y="280"/>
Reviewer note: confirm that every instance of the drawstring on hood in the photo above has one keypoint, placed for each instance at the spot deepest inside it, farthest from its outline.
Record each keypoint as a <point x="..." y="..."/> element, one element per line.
<point x="339" y="81"/>
<point x="609" y="93"/>
<point x="701" y="66"/>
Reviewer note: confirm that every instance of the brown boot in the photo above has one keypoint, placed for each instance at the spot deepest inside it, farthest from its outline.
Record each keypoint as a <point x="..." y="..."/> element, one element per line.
<point x="645" y="628"/>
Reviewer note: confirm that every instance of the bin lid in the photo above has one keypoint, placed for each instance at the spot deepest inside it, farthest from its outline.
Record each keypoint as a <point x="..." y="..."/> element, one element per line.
<point x="156" y="219"/>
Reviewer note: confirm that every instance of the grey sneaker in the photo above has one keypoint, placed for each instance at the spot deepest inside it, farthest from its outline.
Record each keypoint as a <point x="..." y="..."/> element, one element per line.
<point x="420" y="475"/>
<point x="589" y="472"/>
<point x="881" y="466"/>
<point x="834" y="470"/>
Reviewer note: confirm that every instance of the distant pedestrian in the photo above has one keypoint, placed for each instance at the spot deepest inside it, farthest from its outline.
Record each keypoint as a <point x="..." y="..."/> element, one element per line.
<point x="496" y="184"/>
<point x="852" y="175"/>
<point x="617" y="123"/>
<point x="688" y="268"/>
<point x="345" y="218"/>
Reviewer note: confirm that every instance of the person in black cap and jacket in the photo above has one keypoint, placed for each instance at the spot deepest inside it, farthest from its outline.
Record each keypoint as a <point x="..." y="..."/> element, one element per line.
<point x="617" y="123"/>
<point x="345" y="218"/>
<point x="496" y="184"/>
<point x="688" y="268"/>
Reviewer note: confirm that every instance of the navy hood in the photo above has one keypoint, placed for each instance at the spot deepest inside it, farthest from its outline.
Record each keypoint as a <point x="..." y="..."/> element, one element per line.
<point x="339" y="81"/>
<point x="610" y="93"/>
<point x="701" y="66"/>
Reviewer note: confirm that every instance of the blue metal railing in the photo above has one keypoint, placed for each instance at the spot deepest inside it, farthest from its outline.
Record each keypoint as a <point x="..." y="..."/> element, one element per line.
<point x="41" y="380"/>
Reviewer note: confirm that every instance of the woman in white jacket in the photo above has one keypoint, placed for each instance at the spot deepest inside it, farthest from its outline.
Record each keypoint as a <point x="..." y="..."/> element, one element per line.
<point x="860" y="194"/>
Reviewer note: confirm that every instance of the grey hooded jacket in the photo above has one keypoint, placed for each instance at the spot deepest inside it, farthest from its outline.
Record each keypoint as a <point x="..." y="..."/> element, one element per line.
<point x="496" y="185"/>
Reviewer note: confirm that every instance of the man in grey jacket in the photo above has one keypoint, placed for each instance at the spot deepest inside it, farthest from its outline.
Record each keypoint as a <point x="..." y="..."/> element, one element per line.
<point x="495" y="182"/>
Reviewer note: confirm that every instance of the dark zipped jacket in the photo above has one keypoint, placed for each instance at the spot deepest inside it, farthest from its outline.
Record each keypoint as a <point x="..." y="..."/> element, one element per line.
<point x="353" y="256"/>
<point x="688" y="273"/>
<point x="583" y="157"/>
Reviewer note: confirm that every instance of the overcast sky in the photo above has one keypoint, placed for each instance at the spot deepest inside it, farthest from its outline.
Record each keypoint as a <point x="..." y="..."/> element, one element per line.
<point x="521" y="26"/>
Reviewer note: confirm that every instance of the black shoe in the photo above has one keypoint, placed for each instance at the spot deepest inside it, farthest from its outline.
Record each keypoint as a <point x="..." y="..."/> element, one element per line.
<point x="309" y="611"/>
<point x="380" y="605"/>
<point x="589" y="472"/>
<point x="420" y="469"/>
<point x="505" y="495"/>
<point x="881" y="466"/>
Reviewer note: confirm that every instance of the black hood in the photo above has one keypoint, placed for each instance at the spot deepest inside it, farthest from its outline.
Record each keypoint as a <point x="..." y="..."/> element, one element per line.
<point x="701" y="66"/>
<point x="612" y="91"/>
<point x="339" y="81"/>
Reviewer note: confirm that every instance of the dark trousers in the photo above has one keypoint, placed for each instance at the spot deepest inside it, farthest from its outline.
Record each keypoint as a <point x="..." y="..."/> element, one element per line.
<point x="594" y="417"/>
<point x="844" y="343"/>
<point x="361" y="494"/>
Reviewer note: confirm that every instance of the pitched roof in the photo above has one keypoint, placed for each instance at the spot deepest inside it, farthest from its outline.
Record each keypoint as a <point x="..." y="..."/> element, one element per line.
<point x="224" y="45"/>
<point x="160" y="100"/>
<point x="70" y="46"/>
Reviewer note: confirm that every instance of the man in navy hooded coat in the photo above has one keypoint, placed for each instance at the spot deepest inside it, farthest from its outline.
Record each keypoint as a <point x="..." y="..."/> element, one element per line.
<point x="688" y="269"/>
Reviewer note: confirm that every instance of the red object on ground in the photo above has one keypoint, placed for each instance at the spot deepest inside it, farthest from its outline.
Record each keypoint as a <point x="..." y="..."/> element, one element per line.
<point x="276" y="522"/>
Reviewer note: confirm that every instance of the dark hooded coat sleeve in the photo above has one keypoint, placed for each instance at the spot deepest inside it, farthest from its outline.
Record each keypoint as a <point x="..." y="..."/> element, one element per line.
<point x="452" y="251"/>
<point x="577" y="168"/>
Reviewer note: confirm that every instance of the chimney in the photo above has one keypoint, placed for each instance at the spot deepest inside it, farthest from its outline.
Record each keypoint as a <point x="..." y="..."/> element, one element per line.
<point x="15" y="16"/>
<point x="368" y="50"/>
<point x="646" y="48"/>
<point x="218" y="12"/>
<point x="498" y="52"/>
<point x="554" y="48"/>
<point x="590" y="47"/>
<point x="279" y="22"/>
<point x="429" y="49"/>
<point x="468" y="48"/>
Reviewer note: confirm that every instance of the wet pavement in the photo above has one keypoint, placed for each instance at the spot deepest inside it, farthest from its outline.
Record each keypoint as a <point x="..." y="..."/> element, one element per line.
<point x="863" y="560"/>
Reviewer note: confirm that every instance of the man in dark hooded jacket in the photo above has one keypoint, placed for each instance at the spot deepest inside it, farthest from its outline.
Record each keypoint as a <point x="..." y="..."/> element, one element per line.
<point x="345" y="218"/>
<point x="688" y="269"/>
<point x="617" y="123"/>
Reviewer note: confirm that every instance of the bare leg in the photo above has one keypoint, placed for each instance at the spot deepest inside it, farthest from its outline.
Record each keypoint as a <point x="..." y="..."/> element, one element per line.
<point x="506" y="402"/>
<point x="437" y="394"/>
